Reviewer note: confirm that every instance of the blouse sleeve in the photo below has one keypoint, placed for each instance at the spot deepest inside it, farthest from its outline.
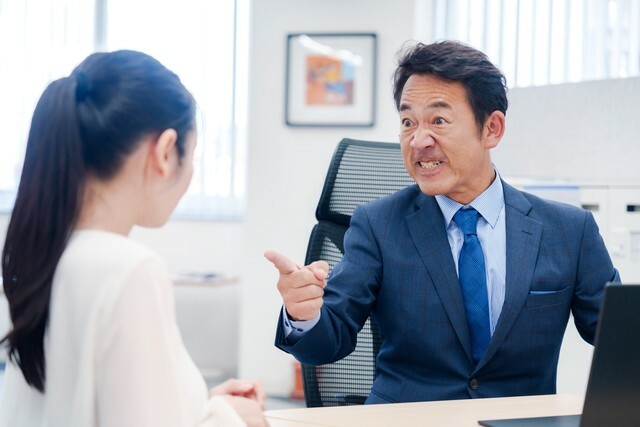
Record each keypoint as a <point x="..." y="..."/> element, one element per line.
<point x="144" y="375"/>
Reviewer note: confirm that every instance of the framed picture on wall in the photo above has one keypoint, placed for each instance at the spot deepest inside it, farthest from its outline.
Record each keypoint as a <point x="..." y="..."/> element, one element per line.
<point x="331" y="79"/>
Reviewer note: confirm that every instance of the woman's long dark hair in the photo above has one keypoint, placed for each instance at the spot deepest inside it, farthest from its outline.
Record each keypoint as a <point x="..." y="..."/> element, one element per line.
<point x="83" y="125"/>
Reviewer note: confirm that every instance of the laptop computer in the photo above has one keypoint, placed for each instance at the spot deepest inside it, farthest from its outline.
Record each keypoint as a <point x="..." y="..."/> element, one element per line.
<point x="613" y="390"/>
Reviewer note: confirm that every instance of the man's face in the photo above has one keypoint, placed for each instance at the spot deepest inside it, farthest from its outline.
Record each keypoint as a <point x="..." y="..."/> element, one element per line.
<point x="443" y="149"/>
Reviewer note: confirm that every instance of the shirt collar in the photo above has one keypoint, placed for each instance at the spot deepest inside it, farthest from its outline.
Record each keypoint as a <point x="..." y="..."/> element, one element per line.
<point x="489" y="204"/>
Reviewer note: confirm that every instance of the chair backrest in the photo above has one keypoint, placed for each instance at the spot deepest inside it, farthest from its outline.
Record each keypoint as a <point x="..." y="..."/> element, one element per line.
<point x="360" y="171"/>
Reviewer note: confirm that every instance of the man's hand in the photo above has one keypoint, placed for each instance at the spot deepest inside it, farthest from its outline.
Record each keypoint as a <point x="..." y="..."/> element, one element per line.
<point x="302" y="288"/>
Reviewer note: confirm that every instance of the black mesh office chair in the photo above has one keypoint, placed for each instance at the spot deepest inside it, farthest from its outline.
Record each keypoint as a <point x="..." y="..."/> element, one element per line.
<point x="360" y="171"/>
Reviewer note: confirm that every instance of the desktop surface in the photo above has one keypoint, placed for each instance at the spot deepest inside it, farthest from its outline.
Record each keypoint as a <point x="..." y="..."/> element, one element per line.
<point x="450" y="413"/>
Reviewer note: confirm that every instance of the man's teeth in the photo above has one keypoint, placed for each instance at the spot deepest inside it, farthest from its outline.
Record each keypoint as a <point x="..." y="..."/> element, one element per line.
<point x="429" y="165"/>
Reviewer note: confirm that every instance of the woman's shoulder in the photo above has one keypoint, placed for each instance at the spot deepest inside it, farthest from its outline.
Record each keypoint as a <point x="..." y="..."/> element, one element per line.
<point x="100" y="260"/>
<point x="98" y="268"/>
<point x="101" y="247"/>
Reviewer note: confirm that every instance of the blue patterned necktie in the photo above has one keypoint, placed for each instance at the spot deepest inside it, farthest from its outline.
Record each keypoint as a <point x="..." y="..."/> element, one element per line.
<point x="473" y="281"/>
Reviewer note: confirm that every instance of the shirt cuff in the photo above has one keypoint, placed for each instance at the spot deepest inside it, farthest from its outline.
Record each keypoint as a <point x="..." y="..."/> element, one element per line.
<point x="300" y="327"/>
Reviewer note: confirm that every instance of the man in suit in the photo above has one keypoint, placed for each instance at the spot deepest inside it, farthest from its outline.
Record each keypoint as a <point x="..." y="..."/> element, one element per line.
<point x="470" y="281"/>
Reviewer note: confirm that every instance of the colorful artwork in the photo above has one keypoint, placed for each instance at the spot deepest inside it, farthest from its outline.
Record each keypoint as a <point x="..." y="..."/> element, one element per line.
<point x="329" y="81"/>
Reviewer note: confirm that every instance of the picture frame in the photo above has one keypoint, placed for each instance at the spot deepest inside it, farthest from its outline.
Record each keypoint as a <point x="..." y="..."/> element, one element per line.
<point x="331" y="80"/>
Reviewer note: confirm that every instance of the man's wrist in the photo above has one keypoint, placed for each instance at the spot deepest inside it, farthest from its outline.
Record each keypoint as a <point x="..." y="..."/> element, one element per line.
<point x="290" y="317"/>
<point x="302" y="326"/>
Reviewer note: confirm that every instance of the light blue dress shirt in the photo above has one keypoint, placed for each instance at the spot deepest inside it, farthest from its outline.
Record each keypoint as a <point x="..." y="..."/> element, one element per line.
<point x="492" y="235"/>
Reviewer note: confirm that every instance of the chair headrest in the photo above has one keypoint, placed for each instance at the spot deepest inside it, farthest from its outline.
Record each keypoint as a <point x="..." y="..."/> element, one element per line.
<point x="360" y="171"/>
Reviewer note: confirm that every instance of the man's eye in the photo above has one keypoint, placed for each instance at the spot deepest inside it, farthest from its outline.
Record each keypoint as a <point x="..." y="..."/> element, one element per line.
<point x="439" y="121"/>
<point x="406" y="123"/>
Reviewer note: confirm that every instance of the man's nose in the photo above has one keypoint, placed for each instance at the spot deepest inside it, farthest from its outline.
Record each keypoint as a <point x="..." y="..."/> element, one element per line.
<point x="422" y="138"/>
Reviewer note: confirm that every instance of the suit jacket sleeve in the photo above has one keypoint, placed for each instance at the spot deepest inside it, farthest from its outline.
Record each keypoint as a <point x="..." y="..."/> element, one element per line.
<point x="349" y="297"/>
<point x="594" y="269"/>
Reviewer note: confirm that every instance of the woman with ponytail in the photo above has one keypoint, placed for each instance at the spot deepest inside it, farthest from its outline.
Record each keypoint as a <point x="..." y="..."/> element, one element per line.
<point x="94" y="339"/>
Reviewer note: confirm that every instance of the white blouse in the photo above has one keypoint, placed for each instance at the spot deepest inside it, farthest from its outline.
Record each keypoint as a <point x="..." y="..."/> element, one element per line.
<point x="114" y="354"/>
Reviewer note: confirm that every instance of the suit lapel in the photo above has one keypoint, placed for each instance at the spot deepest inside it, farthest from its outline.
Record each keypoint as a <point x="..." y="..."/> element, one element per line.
<point x="426" y="226"/>
<point x="523" y="236"/>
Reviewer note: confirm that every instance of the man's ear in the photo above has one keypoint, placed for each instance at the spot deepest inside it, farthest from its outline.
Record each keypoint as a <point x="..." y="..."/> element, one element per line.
<point x="494" y="129"/>
<point x="164" y="150"/>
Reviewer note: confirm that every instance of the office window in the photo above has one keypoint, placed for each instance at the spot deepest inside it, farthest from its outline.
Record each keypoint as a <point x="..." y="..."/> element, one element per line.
<point x="538" y="42"/>
<point x="39" y="41"/>
<point x="205" y="43"/>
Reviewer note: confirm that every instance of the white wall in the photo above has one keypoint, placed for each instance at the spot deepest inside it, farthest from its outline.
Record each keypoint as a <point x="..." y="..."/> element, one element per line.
<point x="287" y="165"/>
<point x="585" y="132"/>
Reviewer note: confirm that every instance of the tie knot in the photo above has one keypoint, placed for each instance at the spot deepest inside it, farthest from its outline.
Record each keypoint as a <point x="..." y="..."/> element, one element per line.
<point x="466" y="220"/>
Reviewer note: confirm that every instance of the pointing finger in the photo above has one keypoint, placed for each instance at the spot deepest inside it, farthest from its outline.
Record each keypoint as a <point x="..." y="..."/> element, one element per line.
<point x="281" y="262"/>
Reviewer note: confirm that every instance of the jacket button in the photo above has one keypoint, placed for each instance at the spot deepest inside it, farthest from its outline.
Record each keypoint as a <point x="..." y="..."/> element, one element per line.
<point x="474" y="384"/>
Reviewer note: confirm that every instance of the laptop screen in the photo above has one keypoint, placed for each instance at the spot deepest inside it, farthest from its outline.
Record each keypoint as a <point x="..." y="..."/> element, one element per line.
<point x="613" y="391"/>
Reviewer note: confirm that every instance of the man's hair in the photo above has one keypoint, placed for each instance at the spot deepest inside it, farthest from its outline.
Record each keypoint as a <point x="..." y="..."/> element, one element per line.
<point x="455" y="61"/>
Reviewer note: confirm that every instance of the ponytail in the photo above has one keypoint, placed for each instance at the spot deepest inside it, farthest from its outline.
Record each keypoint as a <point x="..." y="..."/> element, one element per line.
<point x="84" y="125"/>
<point x="46" y="209"/>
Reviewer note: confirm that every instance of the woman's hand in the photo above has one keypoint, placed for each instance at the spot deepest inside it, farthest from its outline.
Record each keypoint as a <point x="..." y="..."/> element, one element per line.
<point x="250" y="389"/>
<point x="248" y="409"/>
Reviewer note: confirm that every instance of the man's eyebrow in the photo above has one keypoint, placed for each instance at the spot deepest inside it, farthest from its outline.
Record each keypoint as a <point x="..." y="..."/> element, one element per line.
<point x="439" y="104"/>
<point x="433" y="105"/>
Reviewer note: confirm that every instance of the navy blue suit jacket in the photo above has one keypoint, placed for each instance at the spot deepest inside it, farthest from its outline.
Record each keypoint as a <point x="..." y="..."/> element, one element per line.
<point x="398" y="268"/>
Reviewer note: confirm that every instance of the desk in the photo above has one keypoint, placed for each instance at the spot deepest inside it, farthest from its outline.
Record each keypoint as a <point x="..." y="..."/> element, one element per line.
<point x="451" y="413"/>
